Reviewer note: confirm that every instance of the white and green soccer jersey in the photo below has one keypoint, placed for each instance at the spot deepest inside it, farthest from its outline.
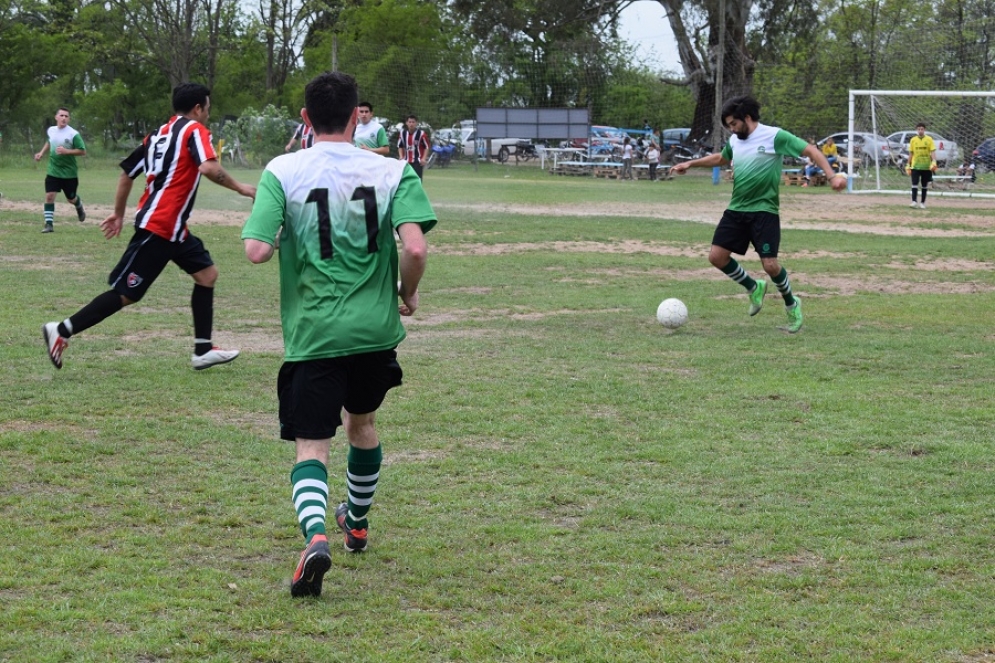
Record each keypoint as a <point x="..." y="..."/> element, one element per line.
<point x="756" y="163"/>
<point x="371" y="135"/>
<point x="63" y="165"/>
<point x="338" y="207"/>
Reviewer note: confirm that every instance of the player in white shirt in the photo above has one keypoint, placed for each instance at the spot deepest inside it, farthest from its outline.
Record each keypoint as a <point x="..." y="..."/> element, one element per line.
<point x="370" y="134"/>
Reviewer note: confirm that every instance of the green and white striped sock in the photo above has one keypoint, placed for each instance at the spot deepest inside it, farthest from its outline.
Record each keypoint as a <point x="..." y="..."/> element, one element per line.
<point x="310" y="493"/>
<point x="362" y="474"/>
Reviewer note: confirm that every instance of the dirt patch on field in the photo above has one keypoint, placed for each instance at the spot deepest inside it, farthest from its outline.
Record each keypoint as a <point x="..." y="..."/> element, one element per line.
<point x="871" y="214"/>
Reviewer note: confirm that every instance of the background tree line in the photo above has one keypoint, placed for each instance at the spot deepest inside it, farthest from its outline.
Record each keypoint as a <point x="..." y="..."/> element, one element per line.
<point x="113" y="62"/>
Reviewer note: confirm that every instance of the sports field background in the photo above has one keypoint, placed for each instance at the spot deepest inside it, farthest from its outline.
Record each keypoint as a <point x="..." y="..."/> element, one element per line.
<point x="565" y="480"/>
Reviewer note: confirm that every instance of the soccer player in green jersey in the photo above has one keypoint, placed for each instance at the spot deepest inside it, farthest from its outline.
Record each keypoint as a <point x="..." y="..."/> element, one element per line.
<point x="336" y="209"/>
<point x="64" y="144"/>
<point x="370" y="134"/>
<point x="753" y="215"/>
<point x="922" y="164"/>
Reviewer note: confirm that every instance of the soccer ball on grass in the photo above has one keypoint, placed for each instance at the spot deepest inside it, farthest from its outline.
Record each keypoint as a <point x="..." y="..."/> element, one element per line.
<point x="672" y="313"/>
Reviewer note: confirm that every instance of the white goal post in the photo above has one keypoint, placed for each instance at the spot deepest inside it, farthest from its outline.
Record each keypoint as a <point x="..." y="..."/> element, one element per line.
<point x="880" y="124"/>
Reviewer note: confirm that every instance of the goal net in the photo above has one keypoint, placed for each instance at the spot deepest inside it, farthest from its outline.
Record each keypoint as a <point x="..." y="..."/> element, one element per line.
<point x="882" y="122"/>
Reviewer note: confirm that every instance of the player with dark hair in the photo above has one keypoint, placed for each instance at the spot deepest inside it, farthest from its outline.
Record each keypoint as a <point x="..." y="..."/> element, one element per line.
<point x="753" y="215"/>
<point x="64" y="144"/>
<point x="337" y="208"/>
<point x="173" y="159"/>
<point x="922" y="164"/>
<point x="370" y="134"/>
<point x="413" y="145"/>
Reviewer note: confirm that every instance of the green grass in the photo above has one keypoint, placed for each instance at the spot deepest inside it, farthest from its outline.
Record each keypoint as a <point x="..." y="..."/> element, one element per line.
<point x="565" y="480"/>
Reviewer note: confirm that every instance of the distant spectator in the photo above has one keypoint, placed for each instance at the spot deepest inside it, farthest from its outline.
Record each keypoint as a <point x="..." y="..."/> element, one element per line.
<point x="627" y="159"/>
<point x="967" y="170"/>
<point x="653" y="159"/>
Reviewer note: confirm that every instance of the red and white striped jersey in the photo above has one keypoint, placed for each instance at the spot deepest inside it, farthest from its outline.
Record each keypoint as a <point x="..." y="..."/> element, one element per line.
<point x="305" y="134"/>
<point x="171" y="159"/>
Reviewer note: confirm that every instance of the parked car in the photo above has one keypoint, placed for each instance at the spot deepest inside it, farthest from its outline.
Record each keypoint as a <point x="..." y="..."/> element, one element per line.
<point x="501" y="148"/>
<point x="867" y="146"/>
<point x="946" y="150"/>
<point x="984" y="154"/>
<point x="674" y="137"/>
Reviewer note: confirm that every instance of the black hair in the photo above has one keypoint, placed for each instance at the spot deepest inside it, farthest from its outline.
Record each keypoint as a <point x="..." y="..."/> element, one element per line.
<point x="411" y="117"/>
<point x="330" y="99"/>
<point x="188" y="95"/>
<point x="741" y="108"/>
<point x="365" y="103"/>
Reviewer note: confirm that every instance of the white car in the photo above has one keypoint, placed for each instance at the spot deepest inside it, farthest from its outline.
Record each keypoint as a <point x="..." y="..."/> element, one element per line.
<point x="501" y="148"/>
<point x="946" y="150"/>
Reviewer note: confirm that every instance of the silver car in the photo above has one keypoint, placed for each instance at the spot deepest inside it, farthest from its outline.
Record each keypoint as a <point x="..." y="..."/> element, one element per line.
<point x="867" y="146"/>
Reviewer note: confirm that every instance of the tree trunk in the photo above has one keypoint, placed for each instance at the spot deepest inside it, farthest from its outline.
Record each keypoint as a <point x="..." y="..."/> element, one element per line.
<point x="698" y="48"/>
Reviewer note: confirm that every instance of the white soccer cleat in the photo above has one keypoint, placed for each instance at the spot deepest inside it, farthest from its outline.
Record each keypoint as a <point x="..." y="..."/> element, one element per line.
<point x="922" y="205"/>
<point x="213" y="357"/>
<point x="55" y="343"/>
<point x="914" y="205"/>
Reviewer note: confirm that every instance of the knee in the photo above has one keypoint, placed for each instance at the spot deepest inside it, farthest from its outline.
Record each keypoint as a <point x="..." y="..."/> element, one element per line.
<point x="206" y="277"/>
<point x="718" y="260"/>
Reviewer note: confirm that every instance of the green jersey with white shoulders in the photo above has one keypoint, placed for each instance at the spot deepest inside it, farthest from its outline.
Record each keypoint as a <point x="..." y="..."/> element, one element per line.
<point x="757" y="167"/>
<point x="63" y="165"/>
<point x="338" y="207"/>
<point x="371" y="135"/>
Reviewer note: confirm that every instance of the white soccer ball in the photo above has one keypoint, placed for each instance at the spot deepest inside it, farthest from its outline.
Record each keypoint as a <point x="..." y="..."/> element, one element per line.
<point x="672" y="313"/>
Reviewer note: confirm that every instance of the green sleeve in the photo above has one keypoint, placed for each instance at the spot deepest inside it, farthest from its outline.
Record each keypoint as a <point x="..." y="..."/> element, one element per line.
<point x="789" y="144"/>
<point x="267" y="211"/>
<point x="410" y="204"/>
<point x="727" y="152"/>
<point x="382" y="138"/>
<point x="78" y="143"/>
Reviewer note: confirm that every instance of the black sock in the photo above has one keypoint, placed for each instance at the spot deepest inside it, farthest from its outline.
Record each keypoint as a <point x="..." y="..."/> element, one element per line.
<point x="102" y="307"/>
<point x="202" y="303"/>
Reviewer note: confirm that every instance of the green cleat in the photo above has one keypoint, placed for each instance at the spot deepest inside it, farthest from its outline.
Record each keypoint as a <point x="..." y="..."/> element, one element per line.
<point x="794" y="316"/>
<point x="757" y="297"/>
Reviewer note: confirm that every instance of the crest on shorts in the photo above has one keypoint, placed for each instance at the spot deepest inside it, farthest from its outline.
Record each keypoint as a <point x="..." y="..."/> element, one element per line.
<point x="134" y="280"/>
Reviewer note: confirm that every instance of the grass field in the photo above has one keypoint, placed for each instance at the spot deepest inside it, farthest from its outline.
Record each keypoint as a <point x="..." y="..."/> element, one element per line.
<point x="565" y="480"/>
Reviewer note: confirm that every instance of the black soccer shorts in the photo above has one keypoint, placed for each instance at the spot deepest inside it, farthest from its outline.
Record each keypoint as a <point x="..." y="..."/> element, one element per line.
<point x="313" y="393"/>
<point x="737" y="230"/>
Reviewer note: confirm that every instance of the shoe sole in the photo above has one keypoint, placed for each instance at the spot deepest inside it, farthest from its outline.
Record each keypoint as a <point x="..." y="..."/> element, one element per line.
<point x="48" y="344"/>
<point x="315" y="569"/>
<point x="344" y="528"/>
<point x="216" y="363"/>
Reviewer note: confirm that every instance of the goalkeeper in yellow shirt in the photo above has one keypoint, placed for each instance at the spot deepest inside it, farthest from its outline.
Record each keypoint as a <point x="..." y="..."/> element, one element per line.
<point x="922" y="164"/>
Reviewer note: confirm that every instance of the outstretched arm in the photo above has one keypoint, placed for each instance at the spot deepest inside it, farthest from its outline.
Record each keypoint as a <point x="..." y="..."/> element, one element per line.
<point x="214" y="171"/>
<point x="709" y="161"/>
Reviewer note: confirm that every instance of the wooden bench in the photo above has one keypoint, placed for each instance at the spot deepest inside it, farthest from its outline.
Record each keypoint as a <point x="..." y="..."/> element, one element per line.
<point x="792" y="177"/>
<point x="612" y="171"/>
